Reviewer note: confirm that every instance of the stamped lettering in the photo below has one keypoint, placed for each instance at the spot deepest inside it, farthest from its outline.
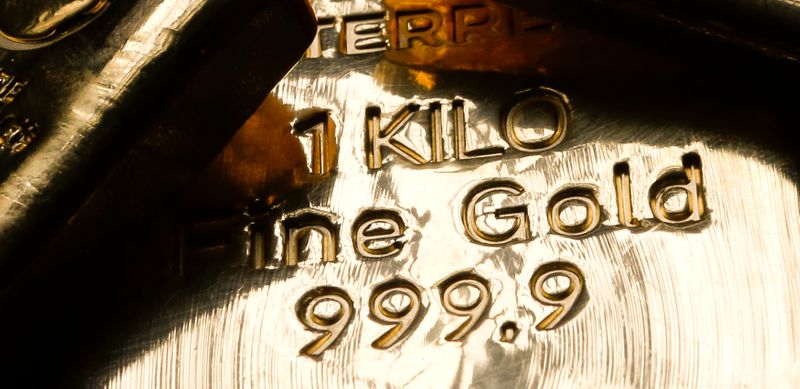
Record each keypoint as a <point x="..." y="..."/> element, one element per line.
<point x="379" y="233"/>
<point x="396" y="303"/>
<point x="16" y="134"/>
<point x="10" y="87"/>
<point x="382" y="135"/>
<point x="677" y="197"/>
<point x="327" y="310"/>
<point x="519" y="231"/>
<point x="320" y="127"/>
<point x="464" y="295"/>
<point x="622" y="185"/>
<point x="407" y="27"/>
<point x="300" y="226"/>
<point x="574" y="212"/>
<point x="557" y="284"/>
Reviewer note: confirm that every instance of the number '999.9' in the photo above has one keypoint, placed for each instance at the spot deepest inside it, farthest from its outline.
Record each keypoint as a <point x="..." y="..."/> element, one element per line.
<point x="398" y="303"/>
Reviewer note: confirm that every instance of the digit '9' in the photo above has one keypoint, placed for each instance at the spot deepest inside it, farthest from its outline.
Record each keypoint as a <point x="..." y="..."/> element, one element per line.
<point x="557" y="284"/>
<point x="468" y="295"/>
<point x="328" y="310"/>
<point x="399" y="304"/>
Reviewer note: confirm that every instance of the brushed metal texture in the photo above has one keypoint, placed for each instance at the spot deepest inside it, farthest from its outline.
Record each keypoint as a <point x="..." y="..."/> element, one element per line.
<point x="128" y="110"/>
<point x="70" y="110"/>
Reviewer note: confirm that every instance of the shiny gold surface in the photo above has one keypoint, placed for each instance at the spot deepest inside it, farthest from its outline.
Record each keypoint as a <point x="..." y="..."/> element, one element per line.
<point x="53" y="25"/>
<point x="458" y="220"/>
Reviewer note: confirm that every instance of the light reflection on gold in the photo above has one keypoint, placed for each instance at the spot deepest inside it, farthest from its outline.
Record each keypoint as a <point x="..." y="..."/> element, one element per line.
<point x="709" y="305"/>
